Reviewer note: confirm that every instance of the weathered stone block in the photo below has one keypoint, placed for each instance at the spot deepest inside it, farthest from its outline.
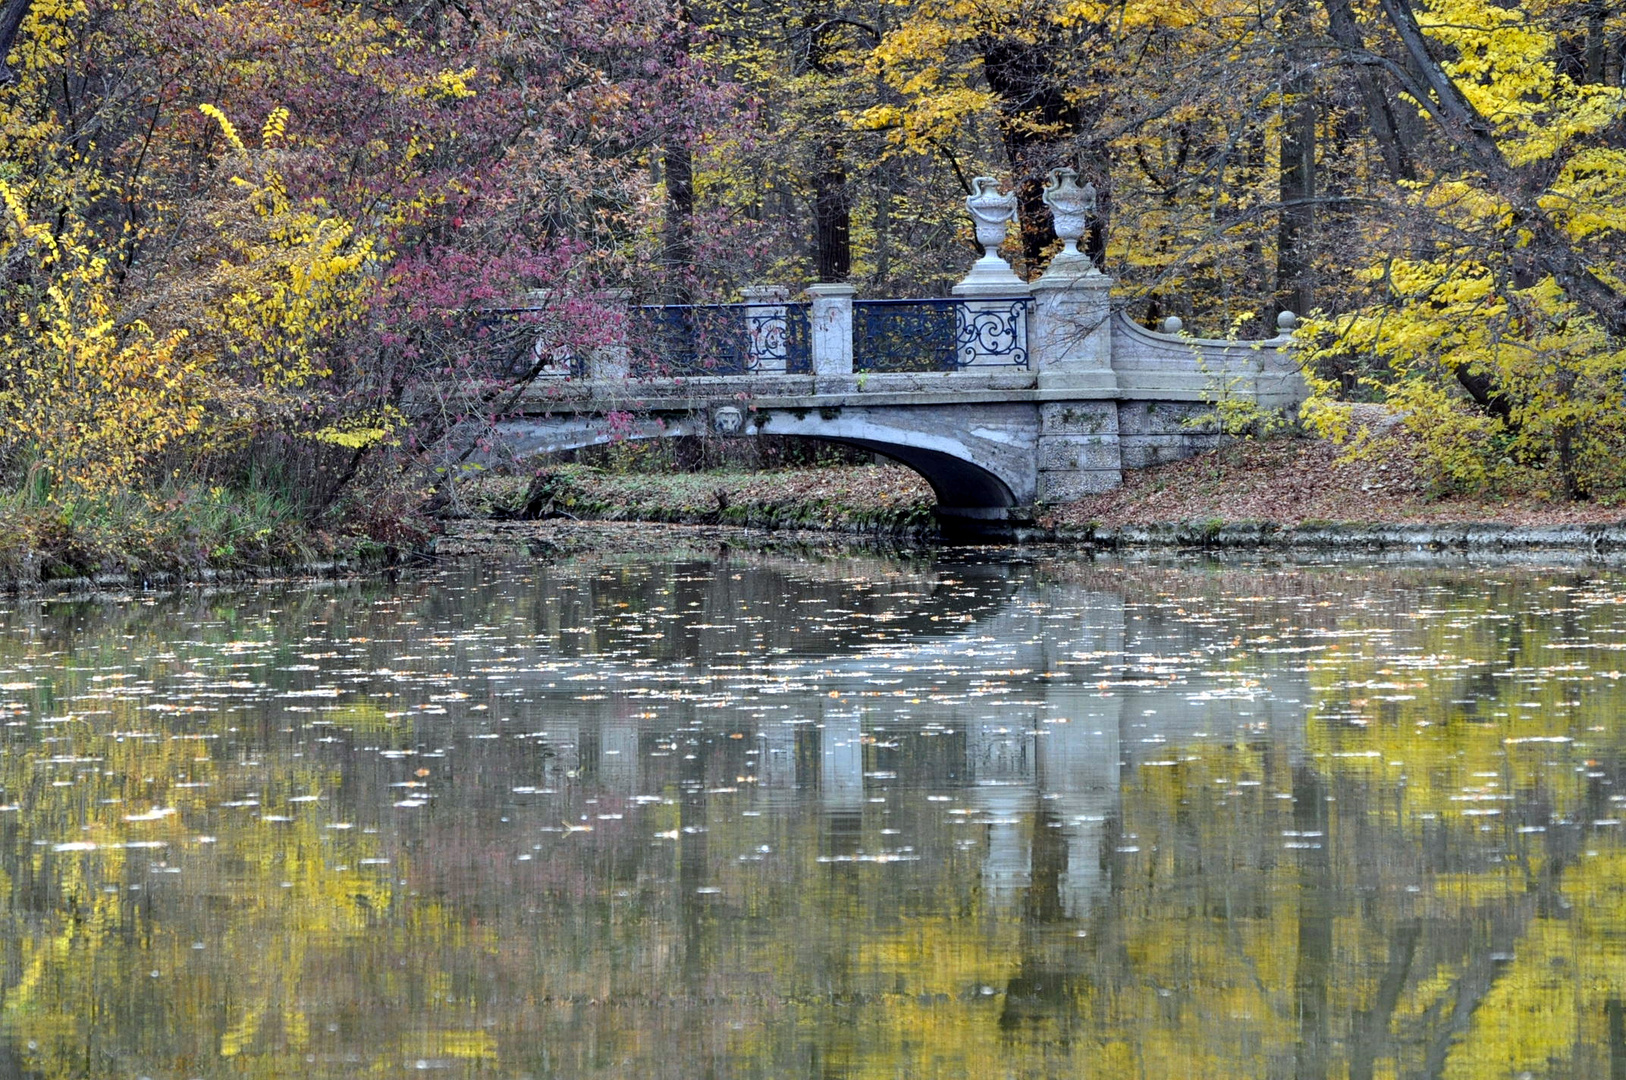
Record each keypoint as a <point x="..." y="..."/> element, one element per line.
<point x="1176" y="417"/>
<point x="1144" y="451"/>
<point x="1078" y="418"/>
<point x="1078" y="452"/>
<point x="1165" y="417"/>
<point x="1070" y="485"/>
<point x="1201" y="443"/>
<point x="1132" y="417"/>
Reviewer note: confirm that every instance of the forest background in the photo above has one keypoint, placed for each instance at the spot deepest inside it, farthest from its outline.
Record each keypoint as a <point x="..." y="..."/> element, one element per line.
<point x="250" y="252"/>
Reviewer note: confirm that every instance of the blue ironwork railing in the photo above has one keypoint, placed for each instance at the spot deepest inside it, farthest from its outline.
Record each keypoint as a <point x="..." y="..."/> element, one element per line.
<point x="688" y="340"/>
<point x="940" y="334"/>
<point x="515" y="346"/>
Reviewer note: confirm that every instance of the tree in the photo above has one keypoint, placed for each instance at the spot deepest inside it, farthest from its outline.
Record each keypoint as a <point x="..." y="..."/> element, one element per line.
<point x="1501" y="315"/>
<point x="313" y="299"/>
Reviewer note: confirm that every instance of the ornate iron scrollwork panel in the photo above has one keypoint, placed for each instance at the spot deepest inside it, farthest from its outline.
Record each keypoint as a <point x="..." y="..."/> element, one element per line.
<point x="992" y="332"/>
<point x="688" y="340"/>
<point x="940" y="334"/>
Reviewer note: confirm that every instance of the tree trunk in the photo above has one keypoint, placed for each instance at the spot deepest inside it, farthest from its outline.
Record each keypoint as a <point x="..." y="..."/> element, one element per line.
<point x="1040" y="125"/>
<point x="1297" y="167"/>
<point x="1616" y="1017"/>
<point x="832" y="215"/>
<point x="677" y="240"/>
<point x="883" y="230"/>
<point x="1583" y="52"/>
<point x="1372" y="1025"/>
<point x="1473" y="143"/>
<point x="11" y="21"/>
<point x="1312" y="1056"/>
<point x="832" y="203"/>
<point x="1379" y="113"/>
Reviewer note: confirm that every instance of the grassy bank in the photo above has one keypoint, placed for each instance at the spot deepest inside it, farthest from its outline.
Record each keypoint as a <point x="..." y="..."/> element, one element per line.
<point x="183" y="533"/>
<point x="1277" y="492"/>
<point x="870" y="499"/>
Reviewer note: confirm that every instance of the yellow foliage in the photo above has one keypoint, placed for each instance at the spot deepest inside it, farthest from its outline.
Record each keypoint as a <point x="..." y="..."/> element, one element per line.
<point x="226" y="127"/>
<point x="293" y="283"/>
<point x="358" y="432"/>
<point x="451" y="85"/>
<point x="1548" y="373"/>
<point x="94" y="399"/>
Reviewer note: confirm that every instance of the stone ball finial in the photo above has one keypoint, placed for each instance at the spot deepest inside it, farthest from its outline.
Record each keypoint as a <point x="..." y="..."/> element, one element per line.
<point x="1071" y="206"/>
<point x="991" y="211"/>
<point x="1286" y="321"/>
<point x="1173" y="325"/>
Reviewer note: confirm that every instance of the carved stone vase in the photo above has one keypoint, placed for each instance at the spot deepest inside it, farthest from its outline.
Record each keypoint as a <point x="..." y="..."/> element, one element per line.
<point x="991" y="211"/>
<point x="1071" y="206"/>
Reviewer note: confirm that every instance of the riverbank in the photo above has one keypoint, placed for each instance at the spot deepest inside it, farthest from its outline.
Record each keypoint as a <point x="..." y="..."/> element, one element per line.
<point x="873" y="500"/>
<point x="192" y="535"/>
<point x="1289" y="493"/>
<point x="1297" y="492"/>
<point x="1285" y="492"/>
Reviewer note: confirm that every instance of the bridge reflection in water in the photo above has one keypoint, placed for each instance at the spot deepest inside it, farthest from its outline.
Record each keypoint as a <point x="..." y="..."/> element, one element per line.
<point x="1051" y="753"/>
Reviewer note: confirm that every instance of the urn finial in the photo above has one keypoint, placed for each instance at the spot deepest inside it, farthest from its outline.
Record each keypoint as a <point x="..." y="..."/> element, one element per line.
<point x="1071" y="206"/>
<point x="991" y="211"/>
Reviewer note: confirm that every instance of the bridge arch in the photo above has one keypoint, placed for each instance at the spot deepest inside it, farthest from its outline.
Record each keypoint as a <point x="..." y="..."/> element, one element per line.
<point x="957" y="482"/>
<point x="976" y="471"/>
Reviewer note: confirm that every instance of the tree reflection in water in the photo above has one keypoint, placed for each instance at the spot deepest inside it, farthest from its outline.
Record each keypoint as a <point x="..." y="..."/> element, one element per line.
<point x="758" y="816"/>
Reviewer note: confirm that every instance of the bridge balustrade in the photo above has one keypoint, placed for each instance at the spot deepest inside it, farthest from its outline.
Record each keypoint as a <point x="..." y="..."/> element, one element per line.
<point x="514" y="347"/>
<point x="1006" y="394"/>
<point x="689" y="340"/>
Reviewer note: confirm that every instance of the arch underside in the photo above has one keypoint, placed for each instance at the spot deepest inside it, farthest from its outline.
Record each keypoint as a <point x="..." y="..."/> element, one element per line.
<point x="957" y="482"/>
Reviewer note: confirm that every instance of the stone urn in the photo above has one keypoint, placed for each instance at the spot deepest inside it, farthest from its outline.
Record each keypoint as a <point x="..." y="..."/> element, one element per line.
<point x="991" y="212"/>
<point x="1071" y="207"/>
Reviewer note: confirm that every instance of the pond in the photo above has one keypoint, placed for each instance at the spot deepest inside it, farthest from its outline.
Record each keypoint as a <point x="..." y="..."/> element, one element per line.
<point x="724" y="814"/>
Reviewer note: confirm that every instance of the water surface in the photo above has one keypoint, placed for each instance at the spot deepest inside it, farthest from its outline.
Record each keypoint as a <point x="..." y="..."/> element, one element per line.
<point x="714" y="814"/>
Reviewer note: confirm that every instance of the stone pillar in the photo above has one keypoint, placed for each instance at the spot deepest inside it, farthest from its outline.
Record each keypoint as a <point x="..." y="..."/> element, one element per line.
<point x="765" y="327"/>
<point x="841" y="760"/>
<point x="1070" y="339"/>
<point x="1078" y="451"/>
<point x="612" y="360"/>
<point x="832" y="329"/>
<point x="1071" y="344"/>
<point x="550" y="361"/>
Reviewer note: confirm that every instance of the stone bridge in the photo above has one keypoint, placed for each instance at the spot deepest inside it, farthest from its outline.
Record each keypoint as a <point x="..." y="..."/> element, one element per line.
<point x="1007" y="395"/>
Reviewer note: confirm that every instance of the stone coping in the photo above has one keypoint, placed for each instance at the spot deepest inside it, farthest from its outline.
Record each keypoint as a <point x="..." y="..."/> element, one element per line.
<point x="805" y="391"/>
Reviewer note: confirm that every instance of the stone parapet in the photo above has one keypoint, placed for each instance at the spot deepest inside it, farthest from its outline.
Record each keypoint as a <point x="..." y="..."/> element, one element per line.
<point x="1099" y="394"/>
<point x="1157" y="432"/>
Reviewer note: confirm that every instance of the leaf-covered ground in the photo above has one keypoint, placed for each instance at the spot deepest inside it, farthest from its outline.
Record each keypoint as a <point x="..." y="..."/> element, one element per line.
<point x="1295" y="481"/>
